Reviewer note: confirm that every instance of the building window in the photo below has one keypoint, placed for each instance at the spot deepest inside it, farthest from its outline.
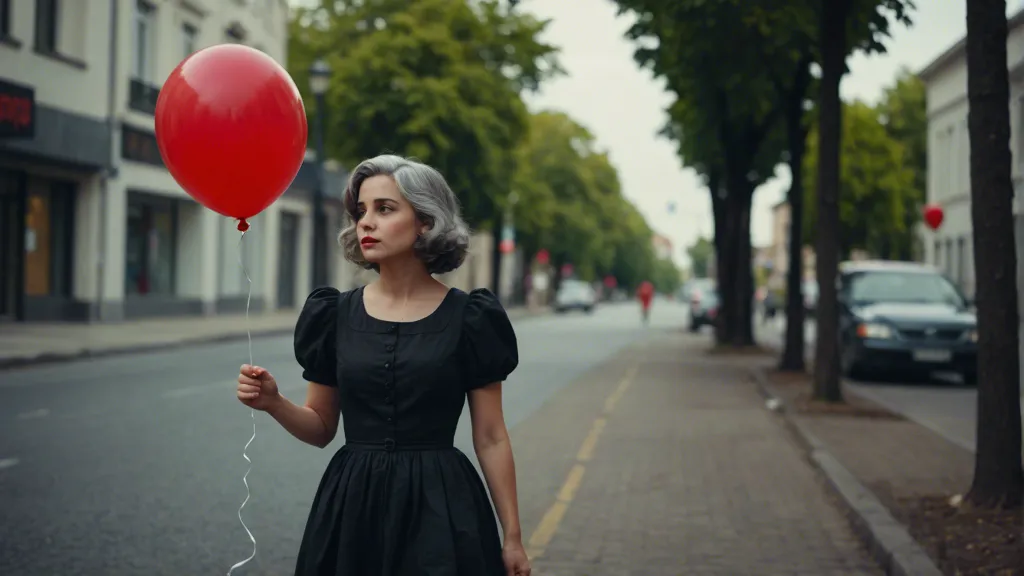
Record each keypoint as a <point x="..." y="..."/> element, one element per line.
<point x="5" y="18"/>
<point x="49" y="217"/>
<point x="142" y="64"/>
<point x="150" y="250"/>
<point x="47" y="12"/>
<point x="188" y="39"/>
<point x="949" y="258"/>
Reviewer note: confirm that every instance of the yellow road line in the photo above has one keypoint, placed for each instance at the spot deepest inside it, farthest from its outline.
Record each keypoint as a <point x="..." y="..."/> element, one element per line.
<point x="590" y="442"/>
<point x="552" y="519"/>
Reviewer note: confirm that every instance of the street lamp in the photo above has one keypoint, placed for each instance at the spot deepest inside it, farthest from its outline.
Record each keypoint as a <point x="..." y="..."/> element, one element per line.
<point x="319" y="79"/>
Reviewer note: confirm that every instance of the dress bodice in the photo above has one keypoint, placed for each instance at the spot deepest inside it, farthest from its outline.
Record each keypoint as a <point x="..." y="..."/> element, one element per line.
<point x="404" y="383"/>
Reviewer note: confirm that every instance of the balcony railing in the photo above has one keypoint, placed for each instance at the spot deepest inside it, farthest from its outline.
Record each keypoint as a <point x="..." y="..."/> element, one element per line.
<point x="142" y="96"/>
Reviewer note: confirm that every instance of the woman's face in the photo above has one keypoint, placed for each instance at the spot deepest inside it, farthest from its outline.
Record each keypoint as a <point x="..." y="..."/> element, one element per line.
<point x="387" y="225"/>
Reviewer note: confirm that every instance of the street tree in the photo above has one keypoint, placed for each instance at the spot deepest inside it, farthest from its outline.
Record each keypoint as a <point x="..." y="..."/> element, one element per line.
<point x="903" y="112"/>
<point x="876" y="184"/>
<point x="571" y="204"/>
<point x="998" y="476"/>
<point x="700" y="254"/>
<point x="721" y="121"/>
<point x="666" y="277"/>
<point x="788" y="48"/>
<point x="844" y="26"/>
<point x="438" y="80"/>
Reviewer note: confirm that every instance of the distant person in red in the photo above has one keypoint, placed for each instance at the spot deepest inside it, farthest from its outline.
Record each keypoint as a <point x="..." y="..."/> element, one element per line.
<point x="645" y="293"/>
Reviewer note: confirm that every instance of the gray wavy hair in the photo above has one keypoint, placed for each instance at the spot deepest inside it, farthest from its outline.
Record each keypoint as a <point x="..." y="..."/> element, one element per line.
<point x="444" y="245"/>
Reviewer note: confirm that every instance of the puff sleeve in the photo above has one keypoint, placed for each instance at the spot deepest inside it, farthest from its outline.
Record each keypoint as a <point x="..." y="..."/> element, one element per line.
<point x="491" y="342"/>
<point x="315" y="337"/>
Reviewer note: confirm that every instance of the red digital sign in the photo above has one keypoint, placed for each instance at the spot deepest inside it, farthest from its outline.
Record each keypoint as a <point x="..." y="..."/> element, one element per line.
<point x="17" y="111"/>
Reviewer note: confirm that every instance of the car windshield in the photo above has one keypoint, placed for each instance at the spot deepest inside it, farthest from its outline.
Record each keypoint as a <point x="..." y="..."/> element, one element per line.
<point x="574" y="288"/>
<point x="916" y="287"/>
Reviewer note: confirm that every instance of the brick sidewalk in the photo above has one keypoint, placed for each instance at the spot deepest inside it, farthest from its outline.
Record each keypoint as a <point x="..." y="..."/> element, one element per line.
<point x="27" y="343"/>
<point x="897" y="459"/>
<point x="689" y="475"/>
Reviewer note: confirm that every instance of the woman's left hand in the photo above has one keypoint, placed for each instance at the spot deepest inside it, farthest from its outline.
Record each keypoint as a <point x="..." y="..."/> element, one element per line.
<point x="516" y="561"/>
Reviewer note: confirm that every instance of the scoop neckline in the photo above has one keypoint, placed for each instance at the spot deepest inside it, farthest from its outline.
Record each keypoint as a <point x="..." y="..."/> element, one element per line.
<point x="434" y="313"/>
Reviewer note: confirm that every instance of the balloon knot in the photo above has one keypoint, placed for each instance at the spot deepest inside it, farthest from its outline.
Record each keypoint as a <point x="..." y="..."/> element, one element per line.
<point x="242" y="225"/>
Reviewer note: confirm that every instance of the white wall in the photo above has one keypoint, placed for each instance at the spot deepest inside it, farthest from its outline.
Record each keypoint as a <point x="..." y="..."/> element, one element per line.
<point x="949" y="164"/>
<point x="208" y="246"/>
<point x="82" y="36"/>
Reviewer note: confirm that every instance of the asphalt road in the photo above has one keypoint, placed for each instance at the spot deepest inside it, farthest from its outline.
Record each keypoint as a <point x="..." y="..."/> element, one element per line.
<point x="943" y="406"/>
<point x="133" y="465"/>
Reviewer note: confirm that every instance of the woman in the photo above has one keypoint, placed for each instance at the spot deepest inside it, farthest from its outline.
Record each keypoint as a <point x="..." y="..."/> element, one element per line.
<point x="397" y="358"/>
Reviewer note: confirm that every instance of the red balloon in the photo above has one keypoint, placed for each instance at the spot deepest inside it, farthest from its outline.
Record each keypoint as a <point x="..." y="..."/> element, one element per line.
<point x="231" y="129"/>
<point x="933" y="216"/>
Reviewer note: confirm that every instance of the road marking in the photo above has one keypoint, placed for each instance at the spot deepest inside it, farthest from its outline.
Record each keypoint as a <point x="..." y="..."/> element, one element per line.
<point x="590" y="442"/>
<point x="8" y="463"/>
<point x="552" y="519"/>
<point x="33" y="414"/>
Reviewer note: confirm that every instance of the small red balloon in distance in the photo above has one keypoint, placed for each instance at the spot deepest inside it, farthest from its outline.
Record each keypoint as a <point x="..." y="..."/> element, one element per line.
<point x="933" y="216"/>
<point x="231" y="128"/>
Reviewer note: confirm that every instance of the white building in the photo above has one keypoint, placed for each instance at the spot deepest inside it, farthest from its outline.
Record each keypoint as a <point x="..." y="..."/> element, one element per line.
<point x="949" y="182"/>
<point x="92" y="227"/>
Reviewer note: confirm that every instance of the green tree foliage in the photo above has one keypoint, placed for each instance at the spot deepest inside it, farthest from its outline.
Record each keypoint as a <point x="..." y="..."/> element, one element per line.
<point x="708" y="53"/>
<point x="570" y="203"/>
<point x="904" y="113"/>
<point x="666" y="278"/>
<point x="700" y="255"/>
<point x="439" y="80"/>
<point x="876" y="186"/>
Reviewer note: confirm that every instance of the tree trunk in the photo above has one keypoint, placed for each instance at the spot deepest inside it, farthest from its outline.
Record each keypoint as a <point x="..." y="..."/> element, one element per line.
<point x="723" y="328"/>
<point x="833" y="60"/>
<point x="496" y="256"/>
<point x="725" y="277"/>
<point x="796" y="133"/>
<point x="998" y="476"/>
<point x="738" y="294"/>
<point x="743" y="332"/>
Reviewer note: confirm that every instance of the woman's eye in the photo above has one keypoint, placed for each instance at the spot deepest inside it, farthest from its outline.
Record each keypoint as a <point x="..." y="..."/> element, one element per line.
<point x="385" y="209"/>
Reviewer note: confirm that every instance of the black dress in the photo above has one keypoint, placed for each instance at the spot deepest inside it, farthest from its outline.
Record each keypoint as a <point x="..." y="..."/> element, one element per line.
<point x="398" y="499"/>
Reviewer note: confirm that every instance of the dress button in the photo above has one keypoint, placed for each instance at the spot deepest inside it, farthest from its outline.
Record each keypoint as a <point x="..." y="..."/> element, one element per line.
<point x="388" y="384"/>
<point x="387" y="364"/>
<point x="390" y="419"/>
<point x="390" y="348"/>
<point x="390" y="399"/>
<point x="391" y="328"/>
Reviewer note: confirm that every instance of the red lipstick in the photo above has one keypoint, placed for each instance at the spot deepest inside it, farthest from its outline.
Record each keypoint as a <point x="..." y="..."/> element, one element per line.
<point x="368" y="240"/>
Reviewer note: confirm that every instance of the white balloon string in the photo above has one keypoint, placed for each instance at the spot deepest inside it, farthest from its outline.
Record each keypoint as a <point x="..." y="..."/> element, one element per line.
<point x="252" y="414"/>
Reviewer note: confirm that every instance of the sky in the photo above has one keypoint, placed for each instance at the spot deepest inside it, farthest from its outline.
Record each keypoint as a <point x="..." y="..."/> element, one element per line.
<point x="623" y="106"/>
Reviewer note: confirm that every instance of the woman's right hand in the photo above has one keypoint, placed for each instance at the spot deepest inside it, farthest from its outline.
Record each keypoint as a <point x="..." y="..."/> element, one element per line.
<point x="257" y="388"/>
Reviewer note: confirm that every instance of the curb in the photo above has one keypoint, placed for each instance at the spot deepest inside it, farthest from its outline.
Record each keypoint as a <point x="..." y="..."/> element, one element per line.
<point x="89" y="353"/>
<point x="887" y="540"/>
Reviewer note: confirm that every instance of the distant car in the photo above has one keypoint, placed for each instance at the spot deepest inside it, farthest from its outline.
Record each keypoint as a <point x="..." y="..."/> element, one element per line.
<point x="905" y="317"/>
<point x="575" y="295"/>
<point x="704" y="305"/>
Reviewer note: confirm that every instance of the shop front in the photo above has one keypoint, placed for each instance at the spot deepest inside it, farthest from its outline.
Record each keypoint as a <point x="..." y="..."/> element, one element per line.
<point x="47" y="158"/>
